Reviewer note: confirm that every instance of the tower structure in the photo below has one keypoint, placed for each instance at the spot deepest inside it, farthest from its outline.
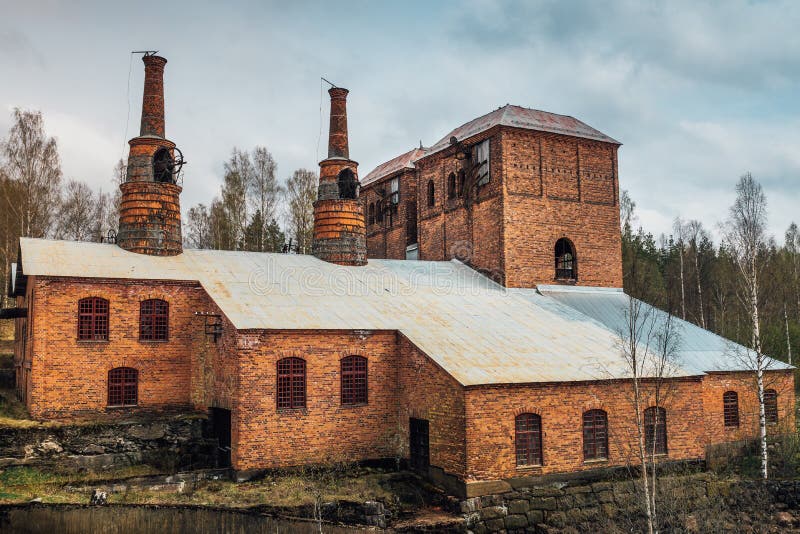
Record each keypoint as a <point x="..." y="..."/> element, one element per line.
<point x="150" y="212"/>
<point x="340" y="234"/>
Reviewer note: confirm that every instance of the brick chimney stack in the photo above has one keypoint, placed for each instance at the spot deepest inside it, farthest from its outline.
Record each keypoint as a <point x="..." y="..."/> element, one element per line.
<point x="153" y="97"/>
<point x="340" y="234"/>
<point x="150" y="211"/>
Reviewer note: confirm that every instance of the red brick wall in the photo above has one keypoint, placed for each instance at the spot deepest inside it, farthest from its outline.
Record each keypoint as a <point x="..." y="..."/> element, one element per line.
<point x="387" y="239"/>
<point x="558" y="186"/>
<point x="69" y="377"/>
<point x="450" y="230"/>
<point x="716" y="384"/>
<point x="428" y="392"/>
<point x="491" y="412"/>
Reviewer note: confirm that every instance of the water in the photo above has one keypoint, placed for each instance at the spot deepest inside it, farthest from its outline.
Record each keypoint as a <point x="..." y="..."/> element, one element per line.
<point x="149" y="519"/>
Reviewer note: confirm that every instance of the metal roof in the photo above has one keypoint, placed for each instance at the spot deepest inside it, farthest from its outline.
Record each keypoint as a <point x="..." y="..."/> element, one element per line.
<point x="403" y="161"/>
<point x="476" y="330"/>
<point x="699" y="351"/>
<point x="519" y="117"/>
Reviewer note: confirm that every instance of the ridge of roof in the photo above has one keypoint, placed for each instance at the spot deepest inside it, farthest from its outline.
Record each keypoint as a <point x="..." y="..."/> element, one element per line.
<point x="403" y="161"/>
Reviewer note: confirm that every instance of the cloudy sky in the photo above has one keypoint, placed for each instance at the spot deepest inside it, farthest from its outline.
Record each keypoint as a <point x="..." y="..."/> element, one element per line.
<point x="698" y="93"/>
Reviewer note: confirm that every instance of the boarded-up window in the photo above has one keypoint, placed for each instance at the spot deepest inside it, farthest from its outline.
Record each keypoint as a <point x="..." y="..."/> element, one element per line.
<point x="528" y="439"/>
<point x="481" y="162"/>
<point x="655" y="430"/>
<point x="595" y="435"/>
<point x="93" y="319"/>
<point x="730" y="406"/>
<point x="123" y="387"/>
<point x="291" y="383"/>
<point x="771" y="406"/>
<point x="354" y="380"/>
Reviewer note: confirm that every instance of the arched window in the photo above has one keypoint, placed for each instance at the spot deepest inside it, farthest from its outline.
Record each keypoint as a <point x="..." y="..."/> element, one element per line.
<point x="379" y="211"/>
<point x="123" y="387"/>
<point x="730" y="407"/>
<point x="451" y="186"/>
<point x="348" y="184"/>
<point x="93" y="319"/>
<point x="528" y="439"/>
<point x="154" y="320"/>
<point x="163" y="166"/>
<point x="371" y="213"/>
<point x="771" y="406"/>
<point x="431" y="194"/>
<point x="595" y="435"/>
<point x="566" y="260"/>
<point x="655" y="430"/>
<point x="291" y="383"/>
<point x="462" y="182"/>
<point x="354" y="380"/>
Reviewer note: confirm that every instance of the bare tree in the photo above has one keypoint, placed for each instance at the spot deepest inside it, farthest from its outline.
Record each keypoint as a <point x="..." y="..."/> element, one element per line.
<point x="31" y="160"/>
<point x="115" y="198"/>
<point x="695" y="232"/>
<point x="745" y="237"/>
<point x="263" y="190"/>
<point x="80" y="213"/>
<point x="680" y="234"/>
<point x="648" y="345"/>
<point x="238" y="174"/>
<point x="10" y="195"/>
<point x="792" y="245"/>
<point x="301" y="192"/>
<point x="198" y="227"/>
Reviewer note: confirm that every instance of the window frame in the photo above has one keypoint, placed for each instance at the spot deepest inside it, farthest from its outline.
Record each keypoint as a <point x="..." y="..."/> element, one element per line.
<point x="94" y="324"/>
<point x="292" y="379"/>
<point x="661" y="438"/>
<point x="594" y="442"/>
<point x="158" y="332"/>
<point x="371" y="213"/>
<point x="451" y="186"/>
<point x="567" y="247"/>
<point x="771" y="414"/>
<point x="431" y="190"/>
<point x="353" y="369"/>
<point x="120" y="387"/>
<point x="730" y="409"/>
<point x="528" y="442"/>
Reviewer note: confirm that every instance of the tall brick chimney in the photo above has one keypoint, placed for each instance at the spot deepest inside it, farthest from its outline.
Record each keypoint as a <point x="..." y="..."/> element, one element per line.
<point x="150" y="211"/>
<point x="340" y="234"/>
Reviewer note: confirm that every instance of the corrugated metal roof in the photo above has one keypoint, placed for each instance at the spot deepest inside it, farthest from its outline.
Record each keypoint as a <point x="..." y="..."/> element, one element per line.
<point x="700" y="350"/>
<point x="519" y="117"/>
<point x="476" y="330"/>
<point x="403" y="161"/>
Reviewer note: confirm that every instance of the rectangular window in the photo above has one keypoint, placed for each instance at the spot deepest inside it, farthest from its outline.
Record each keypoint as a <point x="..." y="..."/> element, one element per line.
<point x="93" y="319"/>
<point x="481" y="162"/>
<point x="354" y="380"/>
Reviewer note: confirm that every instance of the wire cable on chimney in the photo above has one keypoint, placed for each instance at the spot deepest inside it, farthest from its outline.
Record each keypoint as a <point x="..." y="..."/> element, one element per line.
<point x="128" y="117"/>
<point x="321" y="91"/>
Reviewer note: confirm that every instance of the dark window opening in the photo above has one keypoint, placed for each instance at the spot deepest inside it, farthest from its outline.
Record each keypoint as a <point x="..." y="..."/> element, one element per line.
<point x="123" y="387"/>
<point x="154" y="320"/>
<point x="771" y="406"/>
<point x="655" y="430"/>
<point x="419" y="444"/>
<point x="595" y="435"/>
<point x="528" y="439"/>
<point x="354" y="380"/>
<point x="730" y="405"/>
<point x="221" y="429"/>
<point x="163" y="166"/>
<point x="291" y="383"/>
<point x="411" y="222"/>
<point x="379" y="211"/>
<point x="431" y="194"/>
<point x="348" y="184"/>
<point x="462" y="179"/>
<point x="93" y="319"/>
<point x="566" y="260"/>
<point x="451" y="186"/>
<point x="371" y="213"/>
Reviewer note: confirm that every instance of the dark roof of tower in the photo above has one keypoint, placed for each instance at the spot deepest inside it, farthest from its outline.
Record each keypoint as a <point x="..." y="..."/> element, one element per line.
<point x="529" y="119"/>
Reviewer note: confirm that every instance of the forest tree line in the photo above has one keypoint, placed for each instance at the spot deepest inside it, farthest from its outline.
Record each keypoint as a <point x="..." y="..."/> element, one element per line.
<point x="684" y="273"/>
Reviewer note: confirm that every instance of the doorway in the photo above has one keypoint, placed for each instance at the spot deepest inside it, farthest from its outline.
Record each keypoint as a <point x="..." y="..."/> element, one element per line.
<point x="221" y="430"/>
<point x="418" y="433"/>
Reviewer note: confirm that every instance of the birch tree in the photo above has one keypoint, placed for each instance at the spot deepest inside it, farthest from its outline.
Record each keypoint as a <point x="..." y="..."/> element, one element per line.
<point x="301" y="192"/>
<point x="264" y="195"/>
<point x="745" y="237"/>
<point x="695" y="233"/>
<point x="679" y="227"/>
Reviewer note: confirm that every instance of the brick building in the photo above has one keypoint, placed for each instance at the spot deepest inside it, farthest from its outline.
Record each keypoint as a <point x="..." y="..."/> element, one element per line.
<point x="494" y="356"/>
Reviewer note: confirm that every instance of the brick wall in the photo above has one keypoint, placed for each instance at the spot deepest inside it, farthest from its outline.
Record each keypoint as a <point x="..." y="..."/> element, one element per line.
<point x="558" y="186"/>
<point x="491" y="412"/>
<point x="70" y="377"/>
<point x="716" y="384"/>
<point x="387" y="239"/>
